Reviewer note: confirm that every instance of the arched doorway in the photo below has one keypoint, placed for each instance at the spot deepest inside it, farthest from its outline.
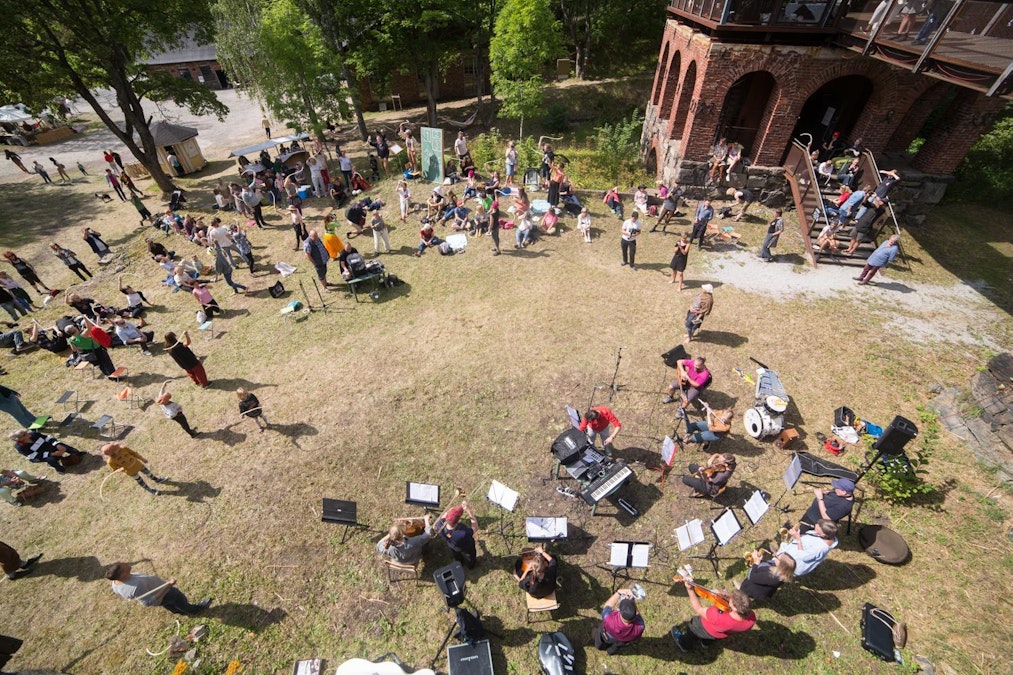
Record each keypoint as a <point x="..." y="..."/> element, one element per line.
<point x="659" y="77"/>
<point x="670" y="86"/>
<point x="835" y="106"/>
<point x="745" y="108"/>
<point x="685" y="97"/>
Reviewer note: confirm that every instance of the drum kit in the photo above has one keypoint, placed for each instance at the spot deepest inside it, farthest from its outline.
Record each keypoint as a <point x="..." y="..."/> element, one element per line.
<point x="766" y="417"/>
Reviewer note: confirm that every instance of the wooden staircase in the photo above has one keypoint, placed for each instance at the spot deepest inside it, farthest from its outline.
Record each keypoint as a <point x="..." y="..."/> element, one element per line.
<point x="808" y="194"/>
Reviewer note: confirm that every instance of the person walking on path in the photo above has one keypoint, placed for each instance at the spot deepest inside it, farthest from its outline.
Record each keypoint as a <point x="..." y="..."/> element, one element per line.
<point x="628" y="240"/>
<point x="173" y="410"/>
<point x="62" y="170"/>
<point x="251" y="197"/>
<point x="12" y="564"/>
<point x="26" y="271"/>
<point x="223" y="267"/>
<point x="151" y="591"/>
<point x="774" y="230"/>
<point x="16" y="158"/>
<point x="39" y="169"/>
<point x="69" y="258"/>
<point x="266" y="124"/>
<point x="880" y="258"/>
<point x="704" y="214"/>
<point x="698" y="311"/>
<point x="10" y="403"/>
<point x="179" y="350"/>
<point x="114" y="183"/>
<point x="119" y="456"/>
<point x="80" y="167"/>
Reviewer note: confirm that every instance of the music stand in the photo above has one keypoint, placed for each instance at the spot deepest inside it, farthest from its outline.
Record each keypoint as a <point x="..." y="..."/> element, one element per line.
<point x="668" y="447"/>
<point x="755" y="507"/>
<point x="790" y="477"/>
<point x="342" y="512"/>
<point x="724" y="528"/>
<point x="422" y="494"/>
<point x="690" y="534"/>
<point x="574" y="416"/>
<point x="506" y="499"/>
<point x="627" y="555"/>
<point x="545" y="528"/>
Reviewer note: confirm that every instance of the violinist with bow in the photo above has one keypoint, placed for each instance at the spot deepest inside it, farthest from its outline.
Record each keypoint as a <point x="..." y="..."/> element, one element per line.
<point x="710" y="479"/>
<point x="711" y="623"/>
<point x="535" y="572"/>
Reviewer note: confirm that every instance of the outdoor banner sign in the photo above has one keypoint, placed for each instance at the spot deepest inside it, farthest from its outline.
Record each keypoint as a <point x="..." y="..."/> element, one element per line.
<point x="432" y="154"/>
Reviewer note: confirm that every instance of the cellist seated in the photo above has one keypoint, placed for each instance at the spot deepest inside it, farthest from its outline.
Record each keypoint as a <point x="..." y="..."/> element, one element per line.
<point x="405" y="548"/>
<point x="535" y="572"/>
<point x="709" y="480"/>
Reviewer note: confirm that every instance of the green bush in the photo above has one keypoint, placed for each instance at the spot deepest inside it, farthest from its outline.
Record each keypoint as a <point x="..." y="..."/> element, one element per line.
<point x="901" y="478"/>
<point x="557" y="117"/>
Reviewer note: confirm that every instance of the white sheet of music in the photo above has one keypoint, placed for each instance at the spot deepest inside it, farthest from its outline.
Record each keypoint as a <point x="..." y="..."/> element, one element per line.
<point x="668" y="451"/>
<point x="619" y="554"/>
<point x="792" y="473"/>
<point x="755" y="507"/>
<point x="690" y="534"/>
<point x="726" y="527"/>
<point x="538" y="527"/>
<point x="574" y="417"/>
<point x="423" y="492"/>
<point x="502" y="495"/>
<point x="641" y="553"/>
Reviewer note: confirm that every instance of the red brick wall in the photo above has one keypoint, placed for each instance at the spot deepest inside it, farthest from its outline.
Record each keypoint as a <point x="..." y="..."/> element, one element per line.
<point x="971" y="115"/>
<point x="920" y="109"/>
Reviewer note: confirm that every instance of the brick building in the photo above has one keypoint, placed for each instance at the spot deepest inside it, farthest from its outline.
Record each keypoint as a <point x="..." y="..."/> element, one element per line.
<point x="764" y="72"/>
<point x="192" y="61"/>
<point x="458" y="80"/>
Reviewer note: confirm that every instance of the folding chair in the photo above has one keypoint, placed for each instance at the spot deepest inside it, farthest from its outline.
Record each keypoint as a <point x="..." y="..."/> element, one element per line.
<point x="118" y="374"/>
<point x="39" y="422"/>
<point x="540" y="605"/>
<point x="398" y="571"/>
<point x="101" y="423"/>
<point x="66" y="398"/>
<point x="84" y="366"/>
<point x="208" y="329"/>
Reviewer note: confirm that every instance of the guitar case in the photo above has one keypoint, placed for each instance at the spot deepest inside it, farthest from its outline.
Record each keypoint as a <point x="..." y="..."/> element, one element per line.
<point x="569" y="446"/>
<point x="883" y="544"/>
<point x="881" y="633"/>
<point x="674" y="355"/>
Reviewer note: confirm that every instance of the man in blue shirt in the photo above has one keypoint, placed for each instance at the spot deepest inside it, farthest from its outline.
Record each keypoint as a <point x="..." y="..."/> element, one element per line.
<point x="704" y="214"/>
<point x="881" y="257"/>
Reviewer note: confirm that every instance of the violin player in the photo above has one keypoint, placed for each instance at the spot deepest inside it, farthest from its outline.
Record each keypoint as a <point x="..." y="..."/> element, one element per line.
<point x="710" y="623"/>
<point x="708" y="480"/>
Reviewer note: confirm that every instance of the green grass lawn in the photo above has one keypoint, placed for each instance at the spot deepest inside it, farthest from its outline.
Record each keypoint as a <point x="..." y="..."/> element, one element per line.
<point x="460" y="377"/>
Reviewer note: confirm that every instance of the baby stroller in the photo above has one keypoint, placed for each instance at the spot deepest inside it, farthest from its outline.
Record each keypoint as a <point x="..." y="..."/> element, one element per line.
<point x="532" y="180"/>
<point x="177" y="200"/>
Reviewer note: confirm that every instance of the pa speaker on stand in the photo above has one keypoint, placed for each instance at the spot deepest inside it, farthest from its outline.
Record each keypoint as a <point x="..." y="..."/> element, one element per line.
<point x="896" y="436"/>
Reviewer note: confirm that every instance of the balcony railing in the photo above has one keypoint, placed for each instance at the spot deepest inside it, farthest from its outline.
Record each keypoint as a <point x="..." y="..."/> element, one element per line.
<point x="792" y="14"/>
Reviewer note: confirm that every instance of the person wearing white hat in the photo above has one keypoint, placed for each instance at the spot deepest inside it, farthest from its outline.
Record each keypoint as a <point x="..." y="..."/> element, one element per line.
<point x="701" y="307"/>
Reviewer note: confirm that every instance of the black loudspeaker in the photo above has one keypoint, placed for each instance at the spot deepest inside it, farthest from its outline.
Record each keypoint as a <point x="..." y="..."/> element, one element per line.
<point x="450" y="581"/>
<point x="569" y="446"/>
<point x="673" y="355"/>
<point x="277" y="290"/>
<point x="896" y="436"/>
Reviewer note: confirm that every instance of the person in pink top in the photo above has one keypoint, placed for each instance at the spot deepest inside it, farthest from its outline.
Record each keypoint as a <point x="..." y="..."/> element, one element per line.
<point x="208" y="303"/>
<point x="621" y="623"/>
<point x="710" y="623"/>
<point x="601" y="422"/>
<point x="692" y="377"/>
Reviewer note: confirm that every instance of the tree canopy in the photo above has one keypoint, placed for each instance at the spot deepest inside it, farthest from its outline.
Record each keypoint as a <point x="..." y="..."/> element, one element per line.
<point x="279" y="54"/>
<point x="83" y="46"/>
<point x="526" y="39"/>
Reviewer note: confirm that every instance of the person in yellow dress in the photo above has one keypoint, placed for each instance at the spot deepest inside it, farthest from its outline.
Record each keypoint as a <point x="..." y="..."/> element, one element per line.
<point x="119" y="456"/>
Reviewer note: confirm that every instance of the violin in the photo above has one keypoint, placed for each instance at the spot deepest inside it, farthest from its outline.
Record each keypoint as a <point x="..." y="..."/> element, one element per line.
<point x="711" y="470"/>
<point x="713" y="597"/>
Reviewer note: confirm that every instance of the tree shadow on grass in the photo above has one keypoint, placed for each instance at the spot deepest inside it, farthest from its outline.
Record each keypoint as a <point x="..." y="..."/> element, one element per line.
<point x="32" y="212"/>
<point x="248" y="616"/>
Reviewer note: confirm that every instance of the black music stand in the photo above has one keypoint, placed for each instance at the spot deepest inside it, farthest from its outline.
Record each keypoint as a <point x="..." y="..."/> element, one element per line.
<point x="789" y="477"/>
<point x="624" y="556"/>
<point x="341" y="512"/>
<point x="540" y="529"/>
<point x="724" y="528"/>
<point x="425" y="495"/>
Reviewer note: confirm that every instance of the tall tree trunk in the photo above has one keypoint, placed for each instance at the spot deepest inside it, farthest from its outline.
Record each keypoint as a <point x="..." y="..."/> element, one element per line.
<point x="353" y="95"/>
<point x="429" y="74"/>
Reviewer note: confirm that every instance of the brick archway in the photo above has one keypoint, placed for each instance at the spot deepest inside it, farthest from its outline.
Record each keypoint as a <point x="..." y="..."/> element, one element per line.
<point x="660" y="75"/>
<point x="746" y="107"/>
<point x="670" y="86"/>
<point x="681" y="111"/>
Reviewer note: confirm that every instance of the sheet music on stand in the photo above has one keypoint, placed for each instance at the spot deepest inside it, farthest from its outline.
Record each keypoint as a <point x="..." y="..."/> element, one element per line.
<point x="423" y="494"/>
<point x="574" y="417"/>
<point x="543" y="528"/>
<point x="755" y="507"/>
<point x="725" y="527"/>
<point x="792" y="473"/>
<point x="668" y="451"/>
<point x="503" y="496"/>
<point x="629" y="554"/>
<point x="690" y="534"/>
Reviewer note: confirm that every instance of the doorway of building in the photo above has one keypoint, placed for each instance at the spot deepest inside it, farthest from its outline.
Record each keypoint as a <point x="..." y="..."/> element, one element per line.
<point x="745" y="108"/>
<point x="835" y="106"/>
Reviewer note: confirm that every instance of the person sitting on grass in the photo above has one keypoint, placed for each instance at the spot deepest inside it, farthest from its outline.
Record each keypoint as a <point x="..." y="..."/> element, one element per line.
<point x="135" y="301"/>
<point x="435" y="204"/>
<point x="428" y="239"/>
<point x="37" y="447"/>
<point x="717" y="424"/>
<point x="525" y="229"/>
<point x="130" y="335"/>
<point x="710" y="480"/>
